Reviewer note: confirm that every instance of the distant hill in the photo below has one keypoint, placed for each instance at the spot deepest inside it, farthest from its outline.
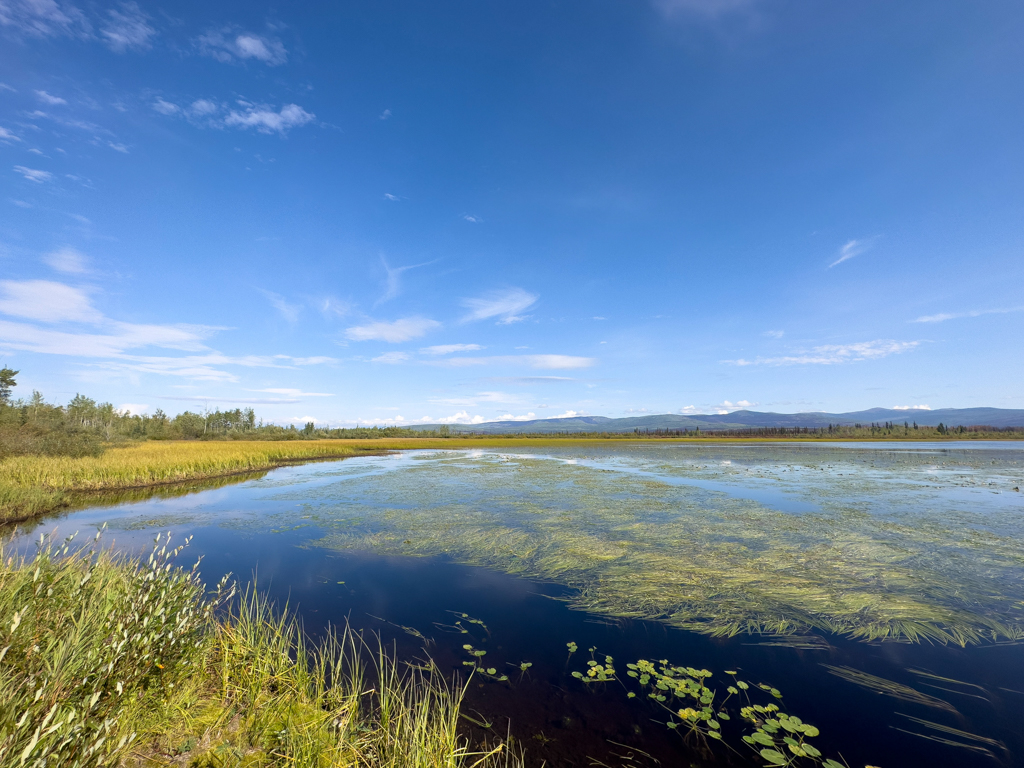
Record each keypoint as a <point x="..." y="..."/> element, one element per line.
<point x="990" y="417"/>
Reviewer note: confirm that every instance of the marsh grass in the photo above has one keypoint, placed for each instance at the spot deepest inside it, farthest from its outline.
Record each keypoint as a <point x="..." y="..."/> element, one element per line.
<point x="109" y="660"/>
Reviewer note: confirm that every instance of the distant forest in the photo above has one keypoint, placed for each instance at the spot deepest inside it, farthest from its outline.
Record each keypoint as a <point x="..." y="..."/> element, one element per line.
<point x="84" y="427"/>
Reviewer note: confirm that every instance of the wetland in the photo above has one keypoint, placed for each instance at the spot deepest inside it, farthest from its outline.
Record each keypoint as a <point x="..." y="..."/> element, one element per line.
<point x="651" y="603"/>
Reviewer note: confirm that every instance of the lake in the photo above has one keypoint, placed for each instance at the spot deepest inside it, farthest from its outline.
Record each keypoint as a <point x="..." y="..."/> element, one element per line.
<point x="878" y="587"/>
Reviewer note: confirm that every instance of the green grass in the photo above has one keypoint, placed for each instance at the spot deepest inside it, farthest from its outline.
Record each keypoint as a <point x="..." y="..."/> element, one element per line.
<point x="107" y="660"/>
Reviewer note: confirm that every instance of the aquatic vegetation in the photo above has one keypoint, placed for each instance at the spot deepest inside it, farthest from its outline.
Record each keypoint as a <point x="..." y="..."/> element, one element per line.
<point x="693" y="708"/>
<point x="105" y="654"/>
<point x="889" y="688"/>
<point x="636" y="539"/>
<point x="966" y="740"/>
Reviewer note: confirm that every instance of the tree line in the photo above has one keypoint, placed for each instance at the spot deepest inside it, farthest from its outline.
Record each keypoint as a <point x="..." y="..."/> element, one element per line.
<point x="84" y="426"/>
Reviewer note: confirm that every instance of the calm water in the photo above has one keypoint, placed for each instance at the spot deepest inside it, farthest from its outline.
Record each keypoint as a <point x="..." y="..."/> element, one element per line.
<point x="389" y="543"/>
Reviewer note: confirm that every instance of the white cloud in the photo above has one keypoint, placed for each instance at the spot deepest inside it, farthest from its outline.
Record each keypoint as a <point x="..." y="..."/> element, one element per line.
<point x="506" y="305"/>
<point x="202" y="108"/>
<point x="393" y="198"/>
<point x="462" y="417"/>
<point x="118" y="147"/>
<point x="112" y="342"/>
<point x="774" y="334"/>
<point x="127" y="28"/>
<point x="33" y="175"/>
<point x="940" y="318"/>
<point x="134" y="409"/>
<point x="6" y="135"/>
<point x="47" y="301"/>
<point x="569" y="415"/>
<point x="265" y="120"/>
<point x="227" y="45"/>
<point x="289" y="312"/>
<point x="384" y="115"/>
<point x="524" y="417"/>
<point x="166" y="107"/>
<point x="471" y="219"/>
<point x="447" y="349"/>
<point x="66" y="260"/>
<point x="851" y="249"/>
<point x="391" y="358"/>
<point x="398" y="331"/>
<point x="47" y="98"/>
<point x="43" y="18"/>
<point x="832" y="354"/>
<point x="728" y="407"/>
<point x="911" y="407"/>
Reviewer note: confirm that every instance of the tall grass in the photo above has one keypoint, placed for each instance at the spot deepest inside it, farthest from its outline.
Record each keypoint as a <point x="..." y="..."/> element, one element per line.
<point x="108" y="660"/>
<point x="31" y="485"/>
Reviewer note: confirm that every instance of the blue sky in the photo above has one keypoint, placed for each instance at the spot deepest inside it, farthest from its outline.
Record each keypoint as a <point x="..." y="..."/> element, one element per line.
<point x="389" y="212"/>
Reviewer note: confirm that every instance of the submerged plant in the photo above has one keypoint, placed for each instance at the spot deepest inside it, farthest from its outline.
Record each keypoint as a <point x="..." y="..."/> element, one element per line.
<point x="643" y="543"/>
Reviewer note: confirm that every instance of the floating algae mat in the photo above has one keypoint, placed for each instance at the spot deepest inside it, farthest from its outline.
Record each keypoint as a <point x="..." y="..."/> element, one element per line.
<point x="873" y="543"/>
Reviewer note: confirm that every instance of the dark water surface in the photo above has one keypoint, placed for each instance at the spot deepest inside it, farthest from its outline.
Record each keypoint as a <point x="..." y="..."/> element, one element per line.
<point x="285" y="528"/>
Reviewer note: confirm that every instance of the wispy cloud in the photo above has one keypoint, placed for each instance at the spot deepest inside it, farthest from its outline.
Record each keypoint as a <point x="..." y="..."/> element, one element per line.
<point x="911" y="407"/>
<point x="392" y="198"/>
<point x="127" y="28"/>
<point x="505" y="305"/>
<point x="292" y="392"/>
<point x="7" y="136"/>
<point x="166" y="107"/>
<point x="550" y="362"/>
<point x="47" y="98"/>
<point x="706" y="8"/>
<point x="229" y="45"/>
<point x="447" y="349"/>
<point x="67" y="260"/>
<point x="393" y="279"/>
<point x="833" y="354"/>
<point x="265" y="120"/>
<point x="33" y="174"/>
<point x="46" y="301"/>
<point x="774" y="334"/>
<point x="391" y="358"/>
<point x="941" y="318"/>
<point x="384" y="115"/>
<point x="289" y="312"/>
<point x="851" y="249"/>
<point x="394" y="332"/>
<point x="43" y="18"/>
<point x="112" y="345"/>
<point x="471" y="219"/>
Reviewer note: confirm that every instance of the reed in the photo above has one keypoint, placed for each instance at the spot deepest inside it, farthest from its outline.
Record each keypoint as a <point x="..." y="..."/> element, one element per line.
<point x="108" y="660"/>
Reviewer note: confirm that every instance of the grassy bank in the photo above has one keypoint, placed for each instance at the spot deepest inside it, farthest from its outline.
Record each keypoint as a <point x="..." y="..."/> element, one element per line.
<point x="112" y="661"/>
<point x="34" y="485"/>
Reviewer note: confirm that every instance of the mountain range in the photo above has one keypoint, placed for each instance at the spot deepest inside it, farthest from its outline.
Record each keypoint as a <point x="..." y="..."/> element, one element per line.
<point x="992" y="417"/>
